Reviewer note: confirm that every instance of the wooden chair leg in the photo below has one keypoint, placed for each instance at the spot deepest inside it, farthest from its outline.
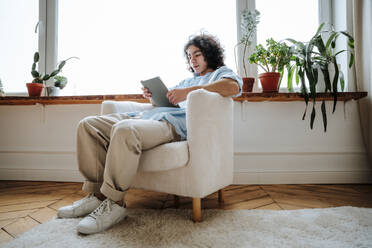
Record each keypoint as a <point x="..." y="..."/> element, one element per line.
<point x="176" y="201"/>
<point x="196" y="209"/>
<point x="221" y="196"/>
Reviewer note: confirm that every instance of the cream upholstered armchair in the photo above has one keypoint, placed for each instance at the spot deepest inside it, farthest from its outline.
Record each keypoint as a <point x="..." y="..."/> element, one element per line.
<point x="197" y="167"/>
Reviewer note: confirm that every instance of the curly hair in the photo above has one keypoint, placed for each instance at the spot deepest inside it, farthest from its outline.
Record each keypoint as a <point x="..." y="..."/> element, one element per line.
<point x="210" y="48"/>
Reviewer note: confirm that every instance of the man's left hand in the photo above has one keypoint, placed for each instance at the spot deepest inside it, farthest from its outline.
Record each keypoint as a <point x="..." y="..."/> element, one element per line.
<point x="176" y="96"/>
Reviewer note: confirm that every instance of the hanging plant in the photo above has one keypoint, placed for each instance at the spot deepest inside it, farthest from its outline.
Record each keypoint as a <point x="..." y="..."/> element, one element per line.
<point x="314" y="54"/>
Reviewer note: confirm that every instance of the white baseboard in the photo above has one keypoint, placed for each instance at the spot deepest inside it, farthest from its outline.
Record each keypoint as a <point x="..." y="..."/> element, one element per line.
<point x="41" y="175"/>
<point x="311" y="177"/>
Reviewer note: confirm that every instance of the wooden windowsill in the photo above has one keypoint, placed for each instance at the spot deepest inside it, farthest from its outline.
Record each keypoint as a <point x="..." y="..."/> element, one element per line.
<point x="97" y="99"/>
<point x="288" y="97"/>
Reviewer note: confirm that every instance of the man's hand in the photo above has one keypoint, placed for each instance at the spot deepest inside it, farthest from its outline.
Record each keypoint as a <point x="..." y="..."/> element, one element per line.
<point x="176" y="96"/>
<point x="147" y="94"/>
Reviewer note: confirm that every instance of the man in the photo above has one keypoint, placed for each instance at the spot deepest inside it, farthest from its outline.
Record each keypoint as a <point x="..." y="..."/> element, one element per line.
<point x="109" y="147"/>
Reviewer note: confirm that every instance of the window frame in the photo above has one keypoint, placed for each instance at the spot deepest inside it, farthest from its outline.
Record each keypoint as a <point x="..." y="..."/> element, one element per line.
<point x="48" y="36"/>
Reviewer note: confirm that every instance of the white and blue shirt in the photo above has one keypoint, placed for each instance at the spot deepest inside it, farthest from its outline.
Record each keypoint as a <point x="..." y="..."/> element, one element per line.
<point x="177" y="116"/>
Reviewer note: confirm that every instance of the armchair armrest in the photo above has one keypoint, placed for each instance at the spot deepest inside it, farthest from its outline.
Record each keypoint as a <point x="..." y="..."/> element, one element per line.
<point x="209" y="114"/>
<point x="109" y="107"/>
<point x="210" y="135"/>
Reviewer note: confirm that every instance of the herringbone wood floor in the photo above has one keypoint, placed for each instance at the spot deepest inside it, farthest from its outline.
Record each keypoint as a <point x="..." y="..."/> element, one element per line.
<point x="24" y="205"/>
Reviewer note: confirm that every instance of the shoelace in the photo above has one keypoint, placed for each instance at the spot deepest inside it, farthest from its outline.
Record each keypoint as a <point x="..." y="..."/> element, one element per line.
<point x="106" y="206"/>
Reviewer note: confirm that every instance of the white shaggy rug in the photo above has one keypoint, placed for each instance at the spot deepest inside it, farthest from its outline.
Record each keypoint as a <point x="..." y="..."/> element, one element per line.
<point x="331" y="227"/>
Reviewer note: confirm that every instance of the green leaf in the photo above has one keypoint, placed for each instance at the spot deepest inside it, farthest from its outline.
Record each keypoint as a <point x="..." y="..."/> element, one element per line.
<point x="350" y="43"/>
<point x="334" y="101"/>
<point x="334" y="84"/>
<point x="46" y="77"/>
<point x="36" y="57"/>
<point x="290" y="70"/>
<point x="351" y="62"/>
<point x="333" y="44"/>
<point x="327" y="81"/>
<point x="54" y="73"/>
<point x="35" y="74"/>
<point x="303" y="90"/>
<point x="324" y="114"/>
<point x="315" y="72"/>
<point x="281" y="77"/>
<point x="319" y="29"/>
<point x="312" y="116"/>
<point x="292" y="40"/>
<point x="331" y="39"/>
<point x="304" y="115"/>
<point x="339" y="52"/>
<point x="61" y="65"/>
<point x="309" y="77"/>
<point x="342" y="81"/>
<point x="346" y="34"/>
<point x="33" y="67"/>
<point x="320" y="45"/>
<point x="37" y="80"/>
<point x="297" y="76"/>
<point x="314" y="80"/>
<point x="297" y="44"/>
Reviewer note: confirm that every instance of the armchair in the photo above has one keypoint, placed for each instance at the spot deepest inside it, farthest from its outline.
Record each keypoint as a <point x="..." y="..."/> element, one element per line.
<point x="197" y="167"/>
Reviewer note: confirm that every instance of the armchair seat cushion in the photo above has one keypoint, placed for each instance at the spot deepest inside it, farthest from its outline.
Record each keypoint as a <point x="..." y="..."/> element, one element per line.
<point x="165" y="157"/>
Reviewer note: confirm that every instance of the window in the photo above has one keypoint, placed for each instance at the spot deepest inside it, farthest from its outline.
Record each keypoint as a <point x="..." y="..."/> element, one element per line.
<point x="120" y="43"/>
<point x="284" y="19"/>
<point x="296" y="19"/>
<point x="18" y="42"/>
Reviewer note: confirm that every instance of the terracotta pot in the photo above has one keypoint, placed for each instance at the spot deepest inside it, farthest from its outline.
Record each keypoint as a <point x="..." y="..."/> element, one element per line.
<point x="34" y="89"/>
<point x="248" y="84"/>
<point x="269" y="81"/>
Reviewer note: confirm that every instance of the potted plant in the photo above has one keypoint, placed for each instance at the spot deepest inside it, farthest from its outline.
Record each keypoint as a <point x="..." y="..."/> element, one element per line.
<point x="59" y="83"/>
<point x="249" y="21"/>
<point x="35" y="88"/>
<point x="314" y="55"/>
<point x="272" y="60"/>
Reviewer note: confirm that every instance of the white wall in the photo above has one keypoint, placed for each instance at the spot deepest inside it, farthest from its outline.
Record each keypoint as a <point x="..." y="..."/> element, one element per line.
<point x="38" y="142"/>
<point x="272" y="143"/>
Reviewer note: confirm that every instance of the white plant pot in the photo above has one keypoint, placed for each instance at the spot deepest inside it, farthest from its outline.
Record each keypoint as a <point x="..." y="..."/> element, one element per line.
<point x="52" y="91"/>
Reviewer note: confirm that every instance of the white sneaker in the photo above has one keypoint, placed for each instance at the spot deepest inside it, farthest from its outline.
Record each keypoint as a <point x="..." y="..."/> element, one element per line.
<point x="105" y="216"/>
<point x="79" y="208"/>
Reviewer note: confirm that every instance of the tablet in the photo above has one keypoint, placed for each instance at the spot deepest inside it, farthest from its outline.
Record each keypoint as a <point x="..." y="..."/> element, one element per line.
<point x="158" y="92"/>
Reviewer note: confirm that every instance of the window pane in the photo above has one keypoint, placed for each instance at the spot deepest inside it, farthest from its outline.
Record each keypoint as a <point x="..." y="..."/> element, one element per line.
<point x="296" y="19"/>
<point x="18" y="42"/>
<point x="120" y="42"/>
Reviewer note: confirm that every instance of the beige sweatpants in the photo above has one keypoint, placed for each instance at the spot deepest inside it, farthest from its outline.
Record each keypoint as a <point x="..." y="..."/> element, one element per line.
<point x="109" y="148"/>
